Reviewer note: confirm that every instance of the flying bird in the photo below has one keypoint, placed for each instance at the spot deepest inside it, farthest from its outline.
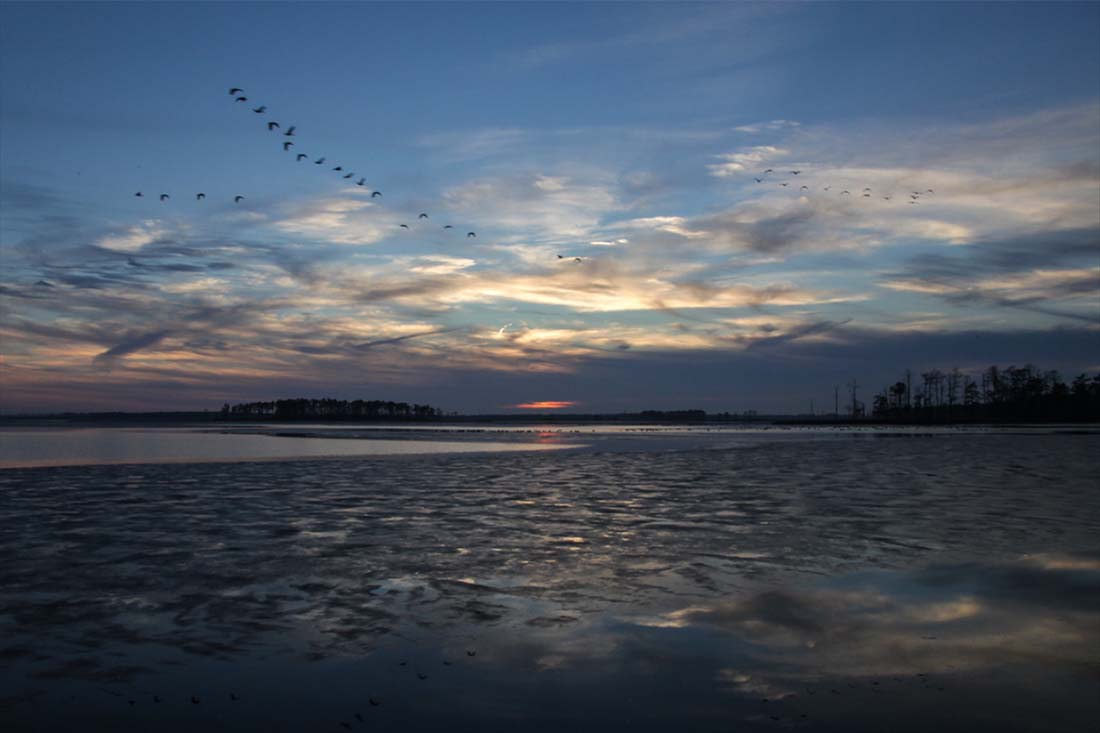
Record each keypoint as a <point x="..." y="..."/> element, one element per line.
<point x="866" y="189"/>
<point x="319" y="161"/>
<point x="800" y="188"/>
<point x="260" y="110"/>
<point x="164" y="197"/>
<point x="795" y="173"/>
<point x="238" y="199"/>
<point x="349" y="175"/>
<point x="769" y="171"/>
<point x="887" y="198"/>
<point x="758" y="180"/>
<point x="931" y="191"/>
<point x="139" y="194"/>
<point x="867" y="195"/>
<point x="272" y="125"/>
<point x="200" y="196"/>
<point x="422" y="216"/>
<point x="338" y="168"/>
<point x="301" y="156"/>
<point x="404" y="226"/>
<point x="845" y="192"/>
<point x="471" y="234"/>
<point x="914" y="196"/>
<point x="784" y="184"/>
<point x="561" y="257"/>
<point x="235" y="90"/>
<point x="290" y="131"/>
<point x="827" y="188"/>
<point x="286" y="145"/>
<point x="375" y="194"/>
<point x="361" y="182"/>
<point x="241" y="99"/>
<point x="448" y="226"/>
<point x="577" y="259"/>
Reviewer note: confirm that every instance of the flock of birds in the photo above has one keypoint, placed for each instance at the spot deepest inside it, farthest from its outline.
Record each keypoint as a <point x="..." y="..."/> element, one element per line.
<point x="867" y="192"/>
<point x="238" y="95"/>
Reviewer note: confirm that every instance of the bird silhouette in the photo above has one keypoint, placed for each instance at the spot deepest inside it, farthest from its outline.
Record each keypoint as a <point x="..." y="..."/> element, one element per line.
<point x="286" y="145"/>
<point x="803" y="188"/>
<point x="290" y="131"/>
<point x="867" y="195"/>
<point x="769" y="171"/>
<point x="421" y="675"/>
<point x="194" y="700"/>
<point x="561" y="257"/>
<point x="471" y="234"/>
<point x="349" y="175"/>
<point x="795" y="173"/>
<point x="338" y="168"/>
<point x="272" y="125"/>
<point x="375" y="194"/>
<point x="164" y="197"/>
<point x="784" y="185"/>
<point x="374" y="702"/>
<point x="422" y="216"/>
<point x="471" y="653"/>
<point x="404" y="226"/>
<point x="139" y="194"/>
<point x="235" y="90"/>
<point x="758" y="180"/>
<point x="359" y="717"/>
<point x="238" y="199"/>
<point x="845" y="192"/>
<point x="233" y="697"/>
<point x="826" y="188"/>
<point x="887" y="198"/>
<point x="260" y="110"/>
<point x="302" y="156"/>
<point x="448" y="226"/>
<point x="577" y="259"/>
<point x="241" y="99"/>
<point x="361" y="182"/>
<point x="866" y="189"/>
<point x="319" y="161"/>
<point x="930" y="191"/>
<point x="200" y="196"/>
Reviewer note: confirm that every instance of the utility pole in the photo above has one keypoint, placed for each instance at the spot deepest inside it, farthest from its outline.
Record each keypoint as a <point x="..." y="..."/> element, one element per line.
<point x="908" y="390"/>
<point x="854" y="387"/>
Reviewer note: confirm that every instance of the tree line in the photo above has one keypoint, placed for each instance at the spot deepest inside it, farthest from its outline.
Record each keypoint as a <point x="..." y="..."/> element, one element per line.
<point x="996" y="394"/>
<point x="329" y="409"/>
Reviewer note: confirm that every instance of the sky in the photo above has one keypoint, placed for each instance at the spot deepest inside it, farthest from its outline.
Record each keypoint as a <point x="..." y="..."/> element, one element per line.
<point x="606" y="157"/>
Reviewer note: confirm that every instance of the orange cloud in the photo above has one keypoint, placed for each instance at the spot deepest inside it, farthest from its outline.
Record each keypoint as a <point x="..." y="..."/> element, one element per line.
<point x="544" y="405"/>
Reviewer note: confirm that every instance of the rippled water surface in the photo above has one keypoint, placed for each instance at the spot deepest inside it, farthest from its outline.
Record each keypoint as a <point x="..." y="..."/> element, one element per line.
<point x="730" y="582"/>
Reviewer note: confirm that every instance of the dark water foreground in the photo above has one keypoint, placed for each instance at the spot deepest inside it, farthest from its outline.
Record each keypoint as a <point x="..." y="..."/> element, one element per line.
<point x="944" y="583"/>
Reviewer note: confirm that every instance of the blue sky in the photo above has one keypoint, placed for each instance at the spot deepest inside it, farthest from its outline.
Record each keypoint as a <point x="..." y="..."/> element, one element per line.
<point x="627" y="135"/>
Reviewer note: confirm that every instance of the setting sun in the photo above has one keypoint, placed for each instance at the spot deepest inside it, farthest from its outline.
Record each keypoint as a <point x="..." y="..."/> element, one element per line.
<point x="545" y="405"/>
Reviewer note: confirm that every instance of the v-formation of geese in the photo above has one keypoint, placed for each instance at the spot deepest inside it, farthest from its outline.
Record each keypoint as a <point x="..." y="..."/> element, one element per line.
<point x="914" y="197"/>
<point x="239" y="96"/>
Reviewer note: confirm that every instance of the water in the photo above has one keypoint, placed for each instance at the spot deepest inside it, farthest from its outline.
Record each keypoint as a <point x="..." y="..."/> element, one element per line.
<point x="748" y="581"/>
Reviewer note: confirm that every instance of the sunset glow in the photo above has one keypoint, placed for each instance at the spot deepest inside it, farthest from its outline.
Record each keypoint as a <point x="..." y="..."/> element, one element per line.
<point x="545" y="405"/>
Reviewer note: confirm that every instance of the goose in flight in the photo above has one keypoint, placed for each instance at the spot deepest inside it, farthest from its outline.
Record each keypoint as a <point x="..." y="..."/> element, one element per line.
<point x="422" y="216"/>
<point x="302" y="156"/>
<point x="404" y="226"/>
<point x="448" y="226"/>
<point x="361" y="182"/>
<point x="866" y="189"/>
<point x="338" y="168"/>
<point x="200" y="196"/>
<point x="930" y="191"/>
<point x="241" y="99"/>
<point x="260" y="110"/>
<point x="866" y="195"/>
<point x="577" y="259"/>
<point x="769" y="171"/>
<point x="290" y="131"/>
<point x="139" y="194"/>
<point x="272" y="125"/>
<point x="319" y="161"/>
<point x="349" y="175"/>
<point x="164" y="197"/>
<point x="827" y="188"/>
<point x="561" y="257"/>
<point x="803" y="188"/>
<point x="887" y="198"/>
<point x="375" y="194"/>
<point x="471" y="234"/>
<point x="795" y="173"/>
<point x="758" y="180"/>
<point x="238" y="199"/>
<point x="914" y="196"/>
<point x="286" y="146"/>
<point x="784" y="184"/>
<point x="235" y="90"/>
<point x="845" y="191"/>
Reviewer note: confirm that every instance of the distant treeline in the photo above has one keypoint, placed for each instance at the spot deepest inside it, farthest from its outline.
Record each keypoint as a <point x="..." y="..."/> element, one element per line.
<point x="330" y="409"/>
<point x="1010" y="394"/>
